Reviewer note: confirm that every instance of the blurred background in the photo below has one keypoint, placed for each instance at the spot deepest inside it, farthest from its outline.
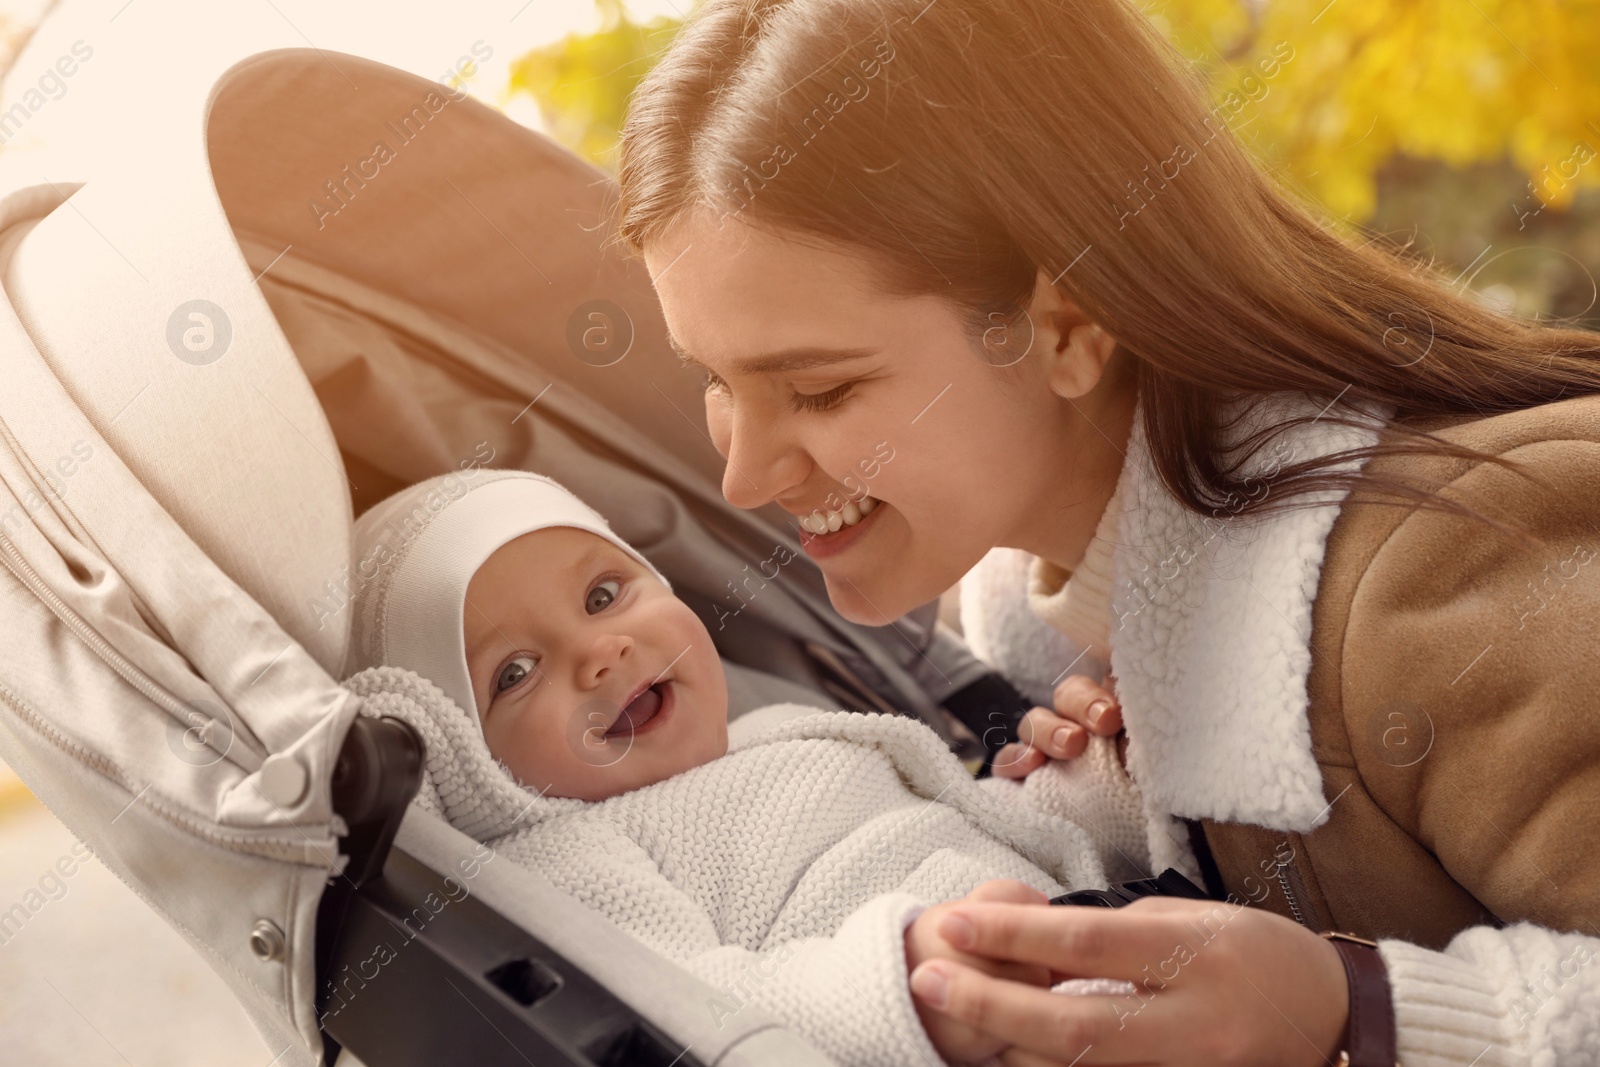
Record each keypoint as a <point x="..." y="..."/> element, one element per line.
<point x="1468" y="132"/>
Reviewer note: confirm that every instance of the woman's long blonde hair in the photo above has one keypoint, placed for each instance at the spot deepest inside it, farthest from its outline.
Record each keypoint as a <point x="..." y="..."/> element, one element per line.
<point x="964" y="145"/>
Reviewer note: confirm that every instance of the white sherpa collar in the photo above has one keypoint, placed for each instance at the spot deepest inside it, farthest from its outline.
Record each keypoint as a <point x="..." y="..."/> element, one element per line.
<point x="1210" y="636"/>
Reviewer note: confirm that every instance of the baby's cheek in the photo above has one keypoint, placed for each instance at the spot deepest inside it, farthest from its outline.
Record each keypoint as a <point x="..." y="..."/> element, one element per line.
<point x="522" y="748"/>
<point x="679" y="625"/>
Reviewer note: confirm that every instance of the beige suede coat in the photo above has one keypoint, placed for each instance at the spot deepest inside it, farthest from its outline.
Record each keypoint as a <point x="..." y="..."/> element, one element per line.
<point x="1454" y="702"/>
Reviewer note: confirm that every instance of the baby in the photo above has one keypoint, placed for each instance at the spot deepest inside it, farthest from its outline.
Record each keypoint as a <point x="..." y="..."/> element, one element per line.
<point x="580" y="725"/>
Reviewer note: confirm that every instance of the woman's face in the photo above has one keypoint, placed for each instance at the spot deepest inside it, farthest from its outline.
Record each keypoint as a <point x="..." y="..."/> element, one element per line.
<point x="822" y="392"/>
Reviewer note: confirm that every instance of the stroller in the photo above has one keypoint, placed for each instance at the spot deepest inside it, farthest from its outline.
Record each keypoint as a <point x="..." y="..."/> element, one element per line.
<point x="282" y="326"/>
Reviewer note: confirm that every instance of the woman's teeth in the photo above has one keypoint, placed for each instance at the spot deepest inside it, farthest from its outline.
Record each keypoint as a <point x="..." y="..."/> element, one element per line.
<point x="822" y="521"/>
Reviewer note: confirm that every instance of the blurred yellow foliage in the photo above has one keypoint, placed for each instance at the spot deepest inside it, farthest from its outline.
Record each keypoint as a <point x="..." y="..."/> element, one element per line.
<point x="1459" y="81"/>
<point x="1352" y="83"/>
<point x="583" y="83"/>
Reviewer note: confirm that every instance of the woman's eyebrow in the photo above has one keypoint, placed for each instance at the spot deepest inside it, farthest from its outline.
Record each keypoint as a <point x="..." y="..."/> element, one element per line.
<point x="803" y="357"/>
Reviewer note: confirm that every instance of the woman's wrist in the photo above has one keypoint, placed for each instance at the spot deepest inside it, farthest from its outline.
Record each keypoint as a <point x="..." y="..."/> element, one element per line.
<point x="1369" y="1030"/>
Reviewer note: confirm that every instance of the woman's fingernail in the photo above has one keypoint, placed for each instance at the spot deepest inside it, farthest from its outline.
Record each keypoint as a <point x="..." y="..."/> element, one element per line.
<point x="957" y="929"/>
<point x="1097" y="711"/>
<point x="1062" y="736"/>
<point x="930" y="985"/>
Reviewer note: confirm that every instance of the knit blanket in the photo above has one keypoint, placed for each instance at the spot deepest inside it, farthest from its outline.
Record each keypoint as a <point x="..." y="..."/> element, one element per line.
<point x="784" y="873"/>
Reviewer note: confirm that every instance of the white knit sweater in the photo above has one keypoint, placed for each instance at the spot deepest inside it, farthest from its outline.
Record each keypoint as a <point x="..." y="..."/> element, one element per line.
<point x="784" y="873"/>
<point x="1209" y="643"/>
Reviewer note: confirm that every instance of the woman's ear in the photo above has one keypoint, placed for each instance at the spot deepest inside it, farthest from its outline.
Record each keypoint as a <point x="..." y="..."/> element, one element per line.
<point x="1075" y="349"/>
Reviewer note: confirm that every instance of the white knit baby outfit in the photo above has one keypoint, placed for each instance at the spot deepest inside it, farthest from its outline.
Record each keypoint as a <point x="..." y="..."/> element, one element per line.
<point x="783" y="873"/>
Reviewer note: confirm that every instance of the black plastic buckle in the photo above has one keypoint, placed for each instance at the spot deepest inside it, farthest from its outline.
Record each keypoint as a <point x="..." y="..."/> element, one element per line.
<point x="378" y="772"/>
<point x="1169" y="883"/>
<point x="993" y="709"/>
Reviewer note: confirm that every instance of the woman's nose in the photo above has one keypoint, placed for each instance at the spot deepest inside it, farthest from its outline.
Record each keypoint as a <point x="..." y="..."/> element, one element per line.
<point x="761" y="464"/>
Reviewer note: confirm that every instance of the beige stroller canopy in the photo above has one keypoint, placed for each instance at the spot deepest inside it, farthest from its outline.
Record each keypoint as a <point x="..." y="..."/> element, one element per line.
<point x="328" y="280"/>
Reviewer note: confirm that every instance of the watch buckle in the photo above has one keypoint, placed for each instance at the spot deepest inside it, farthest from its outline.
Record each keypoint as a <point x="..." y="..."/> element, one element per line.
<point x="1335" y="935"/>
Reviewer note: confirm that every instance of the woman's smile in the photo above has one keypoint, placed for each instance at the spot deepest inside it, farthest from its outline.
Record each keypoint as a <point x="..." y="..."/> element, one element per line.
<point x="841" y="532"/>
<point x="825" y="521"/>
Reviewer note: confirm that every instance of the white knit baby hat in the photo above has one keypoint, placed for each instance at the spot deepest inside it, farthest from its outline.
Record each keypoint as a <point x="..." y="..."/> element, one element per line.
<point x="416" y="551"/>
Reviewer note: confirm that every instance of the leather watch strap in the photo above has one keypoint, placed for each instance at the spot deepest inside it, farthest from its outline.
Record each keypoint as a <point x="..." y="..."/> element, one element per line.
<point x="1369" y="1037"/>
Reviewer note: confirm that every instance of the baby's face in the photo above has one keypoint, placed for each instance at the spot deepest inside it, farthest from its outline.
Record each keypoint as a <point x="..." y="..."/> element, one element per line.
<point x="590" y="677"/>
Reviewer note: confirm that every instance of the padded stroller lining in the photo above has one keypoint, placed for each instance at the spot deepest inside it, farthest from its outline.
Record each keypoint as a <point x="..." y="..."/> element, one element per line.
<point x="476" y="219"/>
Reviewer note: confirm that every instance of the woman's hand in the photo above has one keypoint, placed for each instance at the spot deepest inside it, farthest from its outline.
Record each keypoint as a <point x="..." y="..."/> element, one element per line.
<point x="956" y="1041"/>
<point x="1213" y="984"/>
<point x="1082" y="707"/>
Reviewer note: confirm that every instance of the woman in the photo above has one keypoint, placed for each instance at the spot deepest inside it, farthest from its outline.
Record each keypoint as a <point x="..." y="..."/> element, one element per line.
<point x="977" y="273"/>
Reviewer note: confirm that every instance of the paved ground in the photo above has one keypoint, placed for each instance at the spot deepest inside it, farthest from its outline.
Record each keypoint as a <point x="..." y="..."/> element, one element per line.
<point x="94" y="978"/>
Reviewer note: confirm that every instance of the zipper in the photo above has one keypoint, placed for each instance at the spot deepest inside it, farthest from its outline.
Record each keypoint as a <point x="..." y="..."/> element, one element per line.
<point x="91" y="637"/>
<point x="295" y="848"/>
<point x="1289" y="881"/>
<point x="1288" y="892"/>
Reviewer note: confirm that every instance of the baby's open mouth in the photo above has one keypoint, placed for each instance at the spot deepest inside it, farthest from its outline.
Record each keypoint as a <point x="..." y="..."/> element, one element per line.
<point x="646" y="708"/>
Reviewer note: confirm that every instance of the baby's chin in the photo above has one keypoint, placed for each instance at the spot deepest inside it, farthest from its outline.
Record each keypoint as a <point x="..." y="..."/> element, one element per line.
<point x="686" y="755"/>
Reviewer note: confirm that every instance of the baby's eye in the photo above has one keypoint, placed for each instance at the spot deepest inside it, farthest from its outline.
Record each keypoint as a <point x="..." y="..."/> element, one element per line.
<point x="515" y="673"/>
<point x="602" y="596"/>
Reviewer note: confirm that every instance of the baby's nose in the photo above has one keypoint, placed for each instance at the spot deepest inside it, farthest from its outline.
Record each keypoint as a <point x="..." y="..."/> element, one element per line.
<point x="606" y="653"/>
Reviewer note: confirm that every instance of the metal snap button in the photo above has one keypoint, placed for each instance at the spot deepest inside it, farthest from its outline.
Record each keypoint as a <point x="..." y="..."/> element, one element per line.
<point x="267" y="941"/>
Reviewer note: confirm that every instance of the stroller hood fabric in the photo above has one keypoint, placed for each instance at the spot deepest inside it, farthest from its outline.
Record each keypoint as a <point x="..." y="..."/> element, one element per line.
<point x="156" y="707"/>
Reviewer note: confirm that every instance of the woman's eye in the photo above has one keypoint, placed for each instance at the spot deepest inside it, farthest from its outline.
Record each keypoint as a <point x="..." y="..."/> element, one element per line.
<point x="821" y="401"/>
<point x="714" y="384"/>
<point x="602" y="596"/>
<point x="515" y="673"/>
